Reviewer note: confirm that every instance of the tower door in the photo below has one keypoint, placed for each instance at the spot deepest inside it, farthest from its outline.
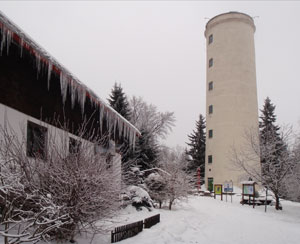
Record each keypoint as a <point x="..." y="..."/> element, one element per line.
<point x="210" y="184"/>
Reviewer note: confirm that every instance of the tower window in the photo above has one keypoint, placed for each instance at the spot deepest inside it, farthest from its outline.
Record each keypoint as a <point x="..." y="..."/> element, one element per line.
<point x="210" y="85"/>
<point x="36" y="140"/>
<point x="210" y="62"/>
<point x="210" y="109"/>
<point x="209" y="159"/>
<point x="210" y="39"/>
<point x="210" y="133"/>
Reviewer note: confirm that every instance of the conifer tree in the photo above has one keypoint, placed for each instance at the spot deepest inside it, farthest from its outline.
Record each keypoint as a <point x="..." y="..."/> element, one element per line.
<point x="269" y="134"/>
<point x="118" y="101"/>
<point x="146" y="151"/>
<point x="274" y="155"/>
<point x="196" y="151"/>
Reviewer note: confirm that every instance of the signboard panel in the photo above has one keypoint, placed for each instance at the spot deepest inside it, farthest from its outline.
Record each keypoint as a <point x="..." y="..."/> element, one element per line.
<point x="248" y="190"/>
<point x="228" y="186"/>
<point x="218" y="189"/>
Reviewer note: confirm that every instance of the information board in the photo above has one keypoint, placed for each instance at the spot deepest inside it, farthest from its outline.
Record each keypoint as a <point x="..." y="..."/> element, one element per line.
<point x="228" y="186"/>
<point x="248" y="190"/>
<point x="218" y="189"/>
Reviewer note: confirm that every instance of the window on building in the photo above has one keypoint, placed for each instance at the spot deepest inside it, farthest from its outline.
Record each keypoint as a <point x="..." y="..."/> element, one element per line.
<point x="209" y="159"/>
<point x="210" y="133"/>
<point x="210" y="184"/>
<point x="210" y="109"/>
<point x="74" y="145"/>
<point x="36" y="140"/>
<point x="210" y="85"/>
<point x="210" y="62"/>
<point x="210" y="39"/>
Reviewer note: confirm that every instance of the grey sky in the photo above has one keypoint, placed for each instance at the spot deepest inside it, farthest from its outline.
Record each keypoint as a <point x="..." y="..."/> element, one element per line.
<point x="157" y="49"/>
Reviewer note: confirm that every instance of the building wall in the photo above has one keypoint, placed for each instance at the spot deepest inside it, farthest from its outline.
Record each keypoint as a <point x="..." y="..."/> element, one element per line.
<point x="15" y="123"/>
<point x="234" y="93"/>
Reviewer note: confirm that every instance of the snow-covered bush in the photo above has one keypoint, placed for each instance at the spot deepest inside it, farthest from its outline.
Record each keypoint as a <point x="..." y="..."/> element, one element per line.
<point x="173" y="167"/>
<point x="137" y="197"/>
<point x="157" y="187"/>
<point x="27" y="214"/>
<point x="58" y="197"/>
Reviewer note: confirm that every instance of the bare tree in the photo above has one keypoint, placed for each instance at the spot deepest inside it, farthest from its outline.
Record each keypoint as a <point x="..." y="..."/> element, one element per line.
<point x="292" y="181"/>
<point x="64" y="193"/>
<point x="173" y="167"/>
<point x="147" y="117"/>
<point x="27" y="214"/>
<point x="277" y="164"/>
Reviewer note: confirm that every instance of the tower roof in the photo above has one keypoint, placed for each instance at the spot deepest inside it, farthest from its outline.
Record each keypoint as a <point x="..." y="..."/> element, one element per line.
<point x="227" y="17"/>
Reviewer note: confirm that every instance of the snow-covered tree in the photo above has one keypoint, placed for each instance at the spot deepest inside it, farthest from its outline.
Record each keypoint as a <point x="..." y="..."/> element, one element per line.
<point x="178" y="182"/>
<point x="147" y="117"/>
<point x="266" y="157"/>
<point x="274" y="154"/>
<point x="156" y="185"/>
<point x="118" y="101"/>
<point x="196" y="150"/>
<point x="292" y="181"/>
<point x="58" y="196"/>
<point x="146" y="151"/>
<point x="154" y="125"/>
<point x="28" y="215"/>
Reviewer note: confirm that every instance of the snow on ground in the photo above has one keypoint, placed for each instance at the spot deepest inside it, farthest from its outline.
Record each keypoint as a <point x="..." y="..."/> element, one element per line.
<point x="209" y="220"/>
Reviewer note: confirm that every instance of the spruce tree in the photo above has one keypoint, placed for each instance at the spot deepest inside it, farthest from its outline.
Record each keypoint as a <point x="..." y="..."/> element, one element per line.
<point x="269" y="135"/>
<point x="274" y="154"/>
<point x="118" y="101"/>
<point x="146" y="151"/>
<point x="196" y="151"/>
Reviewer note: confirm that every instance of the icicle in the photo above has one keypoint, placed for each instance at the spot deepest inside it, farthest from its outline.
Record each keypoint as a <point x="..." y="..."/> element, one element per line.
<point x="115" y="126"/>
<point x="21" y="46"/>
<point x="8" y="40"/>
<point x="81" y="98"/>
<point x="3" y="36"/>
<point x="120" y="127"/>
<point x="107" y="119"/>
<point x="110" y="124"/>
<point x="73" y="93"/>
<point x="134" y="137"/>
<point x="38" y="63"/>
<point x="101" y="117"/>
<point x="49" y="74"/>
<point x="63" y="86"/>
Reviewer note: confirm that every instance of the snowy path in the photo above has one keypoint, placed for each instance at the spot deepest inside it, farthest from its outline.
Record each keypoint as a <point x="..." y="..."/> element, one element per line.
<point x="212" y="221"/>
<point x="206" y="220"/>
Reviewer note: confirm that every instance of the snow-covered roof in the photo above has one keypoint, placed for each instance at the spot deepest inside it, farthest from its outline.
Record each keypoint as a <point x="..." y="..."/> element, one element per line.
<point x="10" y="32"/>
<point x="249" y="182"/>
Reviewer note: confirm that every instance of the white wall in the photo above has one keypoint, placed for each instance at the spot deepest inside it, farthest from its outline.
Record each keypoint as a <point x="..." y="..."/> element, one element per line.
<point x="15" y="122"/>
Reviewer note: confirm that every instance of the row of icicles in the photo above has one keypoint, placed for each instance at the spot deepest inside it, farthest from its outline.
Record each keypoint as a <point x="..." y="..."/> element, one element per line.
<point x="79" y="92"/>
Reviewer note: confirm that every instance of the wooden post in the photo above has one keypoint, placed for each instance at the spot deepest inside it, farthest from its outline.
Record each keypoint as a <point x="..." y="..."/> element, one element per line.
<point x="253" y="195"/>
<point x="243" y="195"/>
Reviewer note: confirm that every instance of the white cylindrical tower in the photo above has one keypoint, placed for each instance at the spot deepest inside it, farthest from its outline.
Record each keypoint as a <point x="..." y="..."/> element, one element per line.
<point x="231" y="95"/>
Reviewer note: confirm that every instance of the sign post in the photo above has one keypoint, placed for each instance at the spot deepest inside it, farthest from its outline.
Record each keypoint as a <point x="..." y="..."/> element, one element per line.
<point x="249" y="190"/>
<point x="218" y="190"/>
<point x="228" y="188"/>
<point x="199" y="179"/>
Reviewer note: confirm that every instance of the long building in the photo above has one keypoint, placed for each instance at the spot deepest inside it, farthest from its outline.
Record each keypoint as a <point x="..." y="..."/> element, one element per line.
<point x="231" y="95"/>
<point x="39" y="97"/>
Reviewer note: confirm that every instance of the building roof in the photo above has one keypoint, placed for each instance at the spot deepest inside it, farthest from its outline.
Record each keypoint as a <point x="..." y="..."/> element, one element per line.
<point x="10" y="32"/>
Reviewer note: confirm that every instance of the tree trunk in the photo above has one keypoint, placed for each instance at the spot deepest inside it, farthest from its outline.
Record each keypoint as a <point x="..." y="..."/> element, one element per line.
<point x="170" y="204"/>
<point x="160" y="204"/>
<point x="277" y="205"/>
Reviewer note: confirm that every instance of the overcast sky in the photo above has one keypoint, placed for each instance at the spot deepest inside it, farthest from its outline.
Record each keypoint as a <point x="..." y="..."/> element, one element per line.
<point x="157" y="50"/>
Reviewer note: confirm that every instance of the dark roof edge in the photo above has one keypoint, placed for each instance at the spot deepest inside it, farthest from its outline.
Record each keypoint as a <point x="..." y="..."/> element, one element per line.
<point x="10" y="31"/>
